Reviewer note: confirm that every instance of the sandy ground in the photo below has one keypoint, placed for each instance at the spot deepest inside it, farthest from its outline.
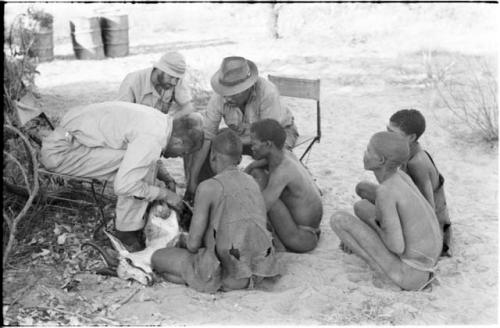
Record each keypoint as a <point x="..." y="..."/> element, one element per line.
<point x="361" y="88"/>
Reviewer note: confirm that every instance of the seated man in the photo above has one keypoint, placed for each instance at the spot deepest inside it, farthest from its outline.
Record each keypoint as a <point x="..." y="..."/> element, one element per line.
<point x="241" y="98"/>
<point x="161" y="86"/>
<point x="410" y="123"/>
<point x="228" y="245"/>
<point x="293" y="201"/>
<point x="121" y="141"/>
<point x="399" y="235"/>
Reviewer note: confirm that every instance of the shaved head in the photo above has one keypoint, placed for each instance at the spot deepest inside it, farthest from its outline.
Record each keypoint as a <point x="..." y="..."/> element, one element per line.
<point x="393" y="147"/>
<point x="226" y="142"/>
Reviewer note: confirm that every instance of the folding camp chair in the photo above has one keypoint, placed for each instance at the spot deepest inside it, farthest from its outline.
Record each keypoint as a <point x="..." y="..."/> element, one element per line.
<point x="301" y="88"/>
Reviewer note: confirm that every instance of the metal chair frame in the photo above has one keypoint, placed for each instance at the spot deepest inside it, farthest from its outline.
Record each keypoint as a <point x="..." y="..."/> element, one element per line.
<point x="305" y="89"/>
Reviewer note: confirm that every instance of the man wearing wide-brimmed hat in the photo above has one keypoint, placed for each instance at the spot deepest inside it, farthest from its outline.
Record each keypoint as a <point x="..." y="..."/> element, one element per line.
<point x="161" y="86"/>
<point x="241" y="98"/>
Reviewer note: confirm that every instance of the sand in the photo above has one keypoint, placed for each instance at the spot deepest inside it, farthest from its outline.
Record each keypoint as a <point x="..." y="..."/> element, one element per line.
<point x="361" y="87"/>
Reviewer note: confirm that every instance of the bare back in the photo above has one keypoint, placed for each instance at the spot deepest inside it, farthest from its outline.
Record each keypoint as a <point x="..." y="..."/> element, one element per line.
<point x="421" y="233"/>
<point x="300" y="195"/>
<point x="424" y="174"/>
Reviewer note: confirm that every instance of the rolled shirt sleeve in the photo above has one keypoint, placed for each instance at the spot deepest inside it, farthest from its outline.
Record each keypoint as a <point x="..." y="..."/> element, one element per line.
<point x="182" y="93"/>
<point x="126" y="91"/>
<point x="133" y="177"/>
<point x="212" y="116"/>
<point x="271" y="107"/>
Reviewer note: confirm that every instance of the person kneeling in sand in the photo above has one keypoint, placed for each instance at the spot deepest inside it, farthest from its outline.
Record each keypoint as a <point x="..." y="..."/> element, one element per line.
<point x="293" y="201"/>
<point x="399" y="235"/>
<point x="228" y="245"/>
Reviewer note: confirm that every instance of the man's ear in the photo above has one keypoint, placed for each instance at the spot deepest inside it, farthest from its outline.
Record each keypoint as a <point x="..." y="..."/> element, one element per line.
<point x="412" y="137"/>
<point x="176" y="142"/>
<point x="381" y="160"/>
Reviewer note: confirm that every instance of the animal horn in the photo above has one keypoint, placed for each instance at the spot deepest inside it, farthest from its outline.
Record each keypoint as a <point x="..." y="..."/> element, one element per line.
<point x="117" y="244"/>
<point x="110" y="261"/>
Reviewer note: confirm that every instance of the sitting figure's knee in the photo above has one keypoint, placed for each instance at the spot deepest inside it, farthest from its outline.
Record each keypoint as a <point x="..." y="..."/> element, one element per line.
<point x="339" y="220"/>
<point x="300" y="244"/>
<point x="365" y="190"/>
<point x="156" y="259"/>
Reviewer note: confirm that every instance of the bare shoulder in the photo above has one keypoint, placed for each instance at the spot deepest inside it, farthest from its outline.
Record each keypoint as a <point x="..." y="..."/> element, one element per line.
<point x="389" y="190"/>
<point x="420" y="165"/>
<point x="420" y="162"/>
<point x="210" y="189"/>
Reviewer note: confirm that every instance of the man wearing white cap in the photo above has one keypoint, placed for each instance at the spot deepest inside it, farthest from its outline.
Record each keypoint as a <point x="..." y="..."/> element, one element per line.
<point x="241" y="97"/>
<point x="161" y="86"/>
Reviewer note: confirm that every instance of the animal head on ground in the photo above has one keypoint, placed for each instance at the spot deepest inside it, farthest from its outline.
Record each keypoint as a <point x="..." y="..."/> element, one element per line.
<point x="161" y="230"/>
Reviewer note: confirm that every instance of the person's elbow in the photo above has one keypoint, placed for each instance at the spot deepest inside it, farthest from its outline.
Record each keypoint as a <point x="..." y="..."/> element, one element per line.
<point x="193" y="245"/>
<point x="122" y="188"/>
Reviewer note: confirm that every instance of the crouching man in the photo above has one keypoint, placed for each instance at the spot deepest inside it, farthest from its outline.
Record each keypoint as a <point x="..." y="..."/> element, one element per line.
<point x="122" y="142"/>
<point x="228" y="246"/>
<point x="398" y="234"/>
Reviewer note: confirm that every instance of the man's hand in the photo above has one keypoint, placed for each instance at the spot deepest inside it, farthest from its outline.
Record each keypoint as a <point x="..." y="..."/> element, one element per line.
<point x="164" y="176"/>
<point x="172" y="199"/>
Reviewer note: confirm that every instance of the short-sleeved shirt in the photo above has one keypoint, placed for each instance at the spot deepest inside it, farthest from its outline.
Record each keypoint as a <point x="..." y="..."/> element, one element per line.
<point x="143" y="134"/>
<point x="264" y="102"/>
<point x="137" y="88"/>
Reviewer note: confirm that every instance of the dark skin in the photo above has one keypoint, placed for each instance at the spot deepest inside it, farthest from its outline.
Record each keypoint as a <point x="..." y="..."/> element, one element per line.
<point x="170" y="261"/>
<point x="400" y="223"/>
<point x="292" y="199"/>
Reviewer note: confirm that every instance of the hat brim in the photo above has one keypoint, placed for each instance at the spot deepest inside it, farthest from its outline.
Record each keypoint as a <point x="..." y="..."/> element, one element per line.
<point x="224" y="90"/>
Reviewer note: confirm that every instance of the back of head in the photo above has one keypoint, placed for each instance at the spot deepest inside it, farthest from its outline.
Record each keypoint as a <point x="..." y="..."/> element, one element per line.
<point x="410" y="121"/>
<point x="269" y="130"/>
<point x="392" y="146"/>
<point x="227" y="143"/>
<point x="189" y="128"/>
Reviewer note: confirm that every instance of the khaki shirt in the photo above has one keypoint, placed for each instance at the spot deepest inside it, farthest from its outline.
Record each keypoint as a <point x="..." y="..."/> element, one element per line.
<point x="141" y="132"/>
<point x="137" y="88"/>
<point x="264" y="103"/>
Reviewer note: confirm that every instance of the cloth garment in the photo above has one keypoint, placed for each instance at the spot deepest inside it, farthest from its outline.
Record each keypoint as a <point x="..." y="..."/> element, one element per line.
<point x="115" y="141"/>
<point x="264" y="103"/>
<point x="418" y="266"/>
<point x="237" y="242"/>
<point x="137" y="88"/>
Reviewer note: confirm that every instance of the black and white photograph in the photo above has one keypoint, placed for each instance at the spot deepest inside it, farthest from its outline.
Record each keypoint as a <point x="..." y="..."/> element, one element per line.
<point x="277" y="163"/>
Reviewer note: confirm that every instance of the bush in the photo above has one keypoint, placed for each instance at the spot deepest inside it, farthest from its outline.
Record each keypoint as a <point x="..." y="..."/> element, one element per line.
<point x="470" y="95"/>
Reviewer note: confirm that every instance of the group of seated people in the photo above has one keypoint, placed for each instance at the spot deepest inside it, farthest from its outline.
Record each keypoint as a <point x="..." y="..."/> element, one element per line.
<point x="243" y="217"/>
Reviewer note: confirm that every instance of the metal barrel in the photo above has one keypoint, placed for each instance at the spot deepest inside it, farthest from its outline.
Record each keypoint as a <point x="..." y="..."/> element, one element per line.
<point x="86" y="38"/>
<point x="115" y="35"/>
<point x="43" y="44"/>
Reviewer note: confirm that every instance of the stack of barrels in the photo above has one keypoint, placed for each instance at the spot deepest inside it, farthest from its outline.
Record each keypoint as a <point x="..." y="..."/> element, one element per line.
<point x="97" y="37"/>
